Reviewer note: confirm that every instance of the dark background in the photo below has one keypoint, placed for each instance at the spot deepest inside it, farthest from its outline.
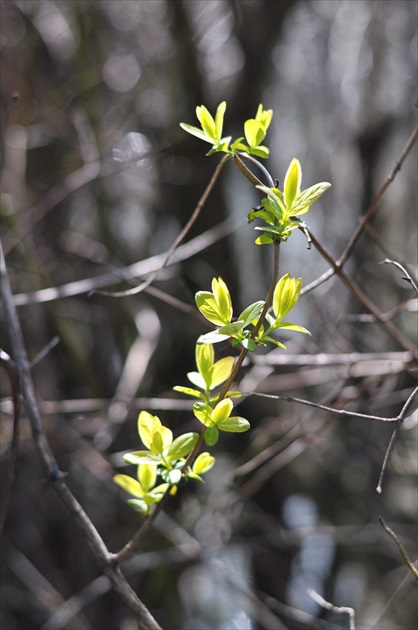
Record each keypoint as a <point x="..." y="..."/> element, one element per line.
<point x="86" y="88"/>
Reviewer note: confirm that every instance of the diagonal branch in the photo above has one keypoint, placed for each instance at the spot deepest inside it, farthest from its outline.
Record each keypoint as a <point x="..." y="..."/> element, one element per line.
<point x="55" y="475"/>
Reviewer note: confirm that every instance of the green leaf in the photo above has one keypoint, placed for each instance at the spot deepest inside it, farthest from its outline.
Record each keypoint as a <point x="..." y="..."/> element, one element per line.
<point x="195" y="131"/>
<point x="129" y="485"/>
<point x="235" y="424"/>
<point x="141" y="457"/>
<point x="219" y="119"/>
<point x="147" y="476"/>
<point x="206" y="120"/>
<point x="260" y="151"/>
<point x="207" y="305"/>
<point x="203" y="413"/>
<point x="221" y="371"/>
<point x="249" y="344"/>
<point x="264" y="116"/>
<point x="223" y="299"/>
<point x="203" y="463"/>
<point x="285" y="295"/>
<point x="237" y="145"/>
<point x="205" y="357"/>
<point x="292" y="182"/>
<point x="272" y="340"/>
<point x="222" y="410"/>
<point x="231" y="329"/>
<point x="264" y="239"/>
<point x="212" y="337"/>
<point x="182" y="446"/>
<point x="147" y="425"/>
<point x="289" y="326"/>
<point x="174" y="476"/>
<point x="265" y="215"/>
<point x="139" y="505"/>
<point x="304" y="200"/>
<point x="254" y="132"/>
<point x="251" y="312"/>
<point x="197" y="379"/>
<point x="189" y="391"/>
<point x="211" y="436"/>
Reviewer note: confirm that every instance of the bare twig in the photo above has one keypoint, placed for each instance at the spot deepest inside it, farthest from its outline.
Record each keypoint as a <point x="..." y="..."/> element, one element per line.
<point x="365" y="219"/>
<point x="407" y="276"/>
<point x="138" y="269"/>
<point x="55" y="475"/>
<point x="339" y="610"/>
<point x="401" y="548"/>
<point x="179" y="239"/>
<point x="375" y="202"/>
<point x="399" y="420"/>
<point x="308" y="403"/>
<point x="358" y="294"/>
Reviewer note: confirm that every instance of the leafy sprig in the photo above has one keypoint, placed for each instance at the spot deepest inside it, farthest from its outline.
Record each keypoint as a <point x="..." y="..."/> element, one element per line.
<point x="281" y="209"/>
<point x="255" y="130"/>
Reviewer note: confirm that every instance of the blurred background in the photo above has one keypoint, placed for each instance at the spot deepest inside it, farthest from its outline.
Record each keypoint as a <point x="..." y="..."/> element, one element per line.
<point x="97" y="177"/>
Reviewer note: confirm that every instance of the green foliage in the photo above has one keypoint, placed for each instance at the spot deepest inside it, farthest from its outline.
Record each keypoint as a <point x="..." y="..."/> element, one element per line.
<point x="285" y="296"/>
<point x="165" y="457"/>
<point x="255" y="130"/>
<point x="175" y="459"/>
<point x="219" y="418"/>
<point x="281" y="209"/>
<point x="210" y="374"/>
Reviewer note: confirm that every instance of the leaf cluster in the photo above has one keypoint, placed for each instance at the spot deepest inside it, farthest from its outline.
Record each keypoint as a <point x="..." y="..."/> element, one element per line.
<point x="216" y="306"/>
<point x="211" y="130"/>
<point x="281" y="209"/>
<point x="165" y="457"/>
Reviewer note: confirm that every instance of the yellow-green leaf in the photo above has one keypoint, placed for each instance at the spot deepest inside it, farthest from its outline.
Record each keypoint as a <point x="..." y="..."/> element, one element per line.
<point x="292" y="182"/>
<point x="147" y="476"/>
<point x="129" y="485"/>
<point x="222" y="410"/>
<point x="221" y="371"/>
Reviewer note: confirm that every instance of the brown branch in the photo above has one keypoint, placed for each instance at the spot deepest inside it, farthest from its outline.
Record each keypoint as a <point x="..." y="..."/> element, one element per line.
<point x="138" y="269"/>
<point x="358" y="294"/>
<point x="401" y="548"/>
<point x="375" y="202"/>
<point x="54" y="474"/>
<point x="338" y="412"/>
<point x="177" y="240"/>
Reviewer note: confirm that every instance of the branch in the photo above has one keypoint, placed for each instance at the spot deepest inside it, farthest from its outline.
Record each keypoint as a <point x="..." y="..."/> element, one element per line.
<point x="55" y="475"/>
<point x="339" y="610"/>
<point x="177" y="240"/>
<point x="308" y="403"/>
<point x="399" y="420"/>
<point x="401" y="548"/>
<point x="138" y="269"/>
<point x="407" y="276"/>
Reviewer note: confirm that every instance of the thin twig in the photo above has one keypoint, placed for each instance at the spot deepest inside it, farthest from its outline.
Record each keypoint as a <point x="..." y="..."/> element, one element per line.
<point x="399" y="420"/>
<point x="375" y="202"/>
<point x="407" y="276"/>
<point x="358" y="294"/>
<point x="365" y="219"/>
<point x="136" y="270"/>
<point x="339" y="610"/>
<point x="179" y="239"/>
<point x="401" y="548"/>
<point x="308" y="403"/>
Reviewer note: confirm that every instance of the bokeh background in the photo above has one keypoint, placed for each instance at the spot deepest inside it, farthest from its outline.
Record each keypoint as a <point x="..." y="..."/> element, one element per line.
<point x="96" y="176"/>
